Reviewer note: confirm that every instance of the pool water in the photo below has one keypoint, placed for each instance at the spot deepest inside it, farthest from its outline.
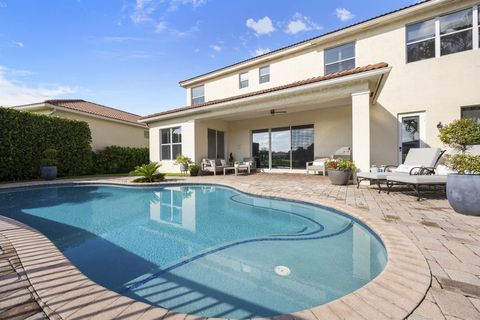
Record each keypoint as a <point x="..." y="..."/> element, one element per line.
<point x="203" y="249"/>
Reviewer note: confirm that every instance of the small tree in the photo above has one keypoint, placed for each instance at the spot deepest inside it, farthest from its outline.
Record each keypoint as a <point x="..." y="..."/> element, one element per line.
<point x="460" y="135"/>
<point x="49" y="158"/>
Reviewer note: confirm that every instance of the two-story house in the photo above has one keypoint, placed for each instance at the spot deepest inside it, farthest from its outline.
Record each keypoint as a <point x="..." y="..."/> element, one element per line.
<point x="381" y="87"/>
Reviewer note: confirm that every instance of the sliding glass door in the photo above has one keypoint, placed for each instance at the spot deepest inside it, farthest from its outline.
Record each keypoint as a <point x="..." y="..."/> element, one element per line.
<point x="280" y="148"/>
<point x="302" y="146"/>
<point x="216" y="144"/>
<point x="283" y="148"/>
<point x="261" y="147"/>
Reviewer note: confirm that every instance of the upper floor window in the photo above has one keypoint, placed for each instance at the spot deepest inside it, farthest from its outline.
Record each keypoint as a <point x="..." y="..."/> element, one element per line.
<point x="450" y="33"/>
<point x="198" y="94"/>
<point x="471" y="113"/>
<point x="243" y="80"/>
<point x="340" y="58"/>
<point x="421" y="40"/>
<point x="170" y="143"/>
<point x="264" y="74"/>
<point x="456" y="32"/>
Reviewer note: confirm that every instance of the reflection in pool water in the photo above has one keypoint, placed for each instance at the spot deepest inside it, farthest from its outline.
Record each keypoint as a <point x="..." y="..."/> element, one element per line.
<point x="203" y="249"/>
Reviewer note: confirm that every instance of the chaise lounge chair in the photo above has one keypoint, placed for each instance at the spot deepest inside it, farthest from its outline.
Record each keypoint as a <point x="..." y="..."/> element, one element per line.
<point x="419" y="161"/>
<point x="415" y="181"/>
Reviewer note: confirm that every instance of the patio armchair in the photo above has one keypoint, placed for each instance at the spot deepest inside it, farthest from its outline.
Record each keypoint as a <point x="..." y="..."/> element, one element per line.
<point x="419" y="161"/>
<point x="213" y="165"/>
<point x="319" y="163"/>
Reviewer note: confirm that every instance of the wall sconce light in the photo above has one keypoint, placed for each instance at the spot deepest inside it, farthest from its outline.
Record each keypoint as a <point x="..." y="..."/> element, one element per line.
<point x="439" y="125"/>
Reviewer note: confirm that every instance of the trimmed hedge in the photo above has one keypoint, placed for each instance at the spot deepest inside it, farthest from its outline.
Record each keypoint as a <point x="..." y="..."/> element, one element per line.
<point x="115" y="159"/>
<point x="24" y="136"/>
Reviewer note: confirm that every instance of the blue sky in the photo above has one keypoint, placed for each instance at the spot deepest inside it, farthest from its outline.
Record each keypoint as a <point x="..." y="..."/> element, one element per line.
<point x="130" y="54"/>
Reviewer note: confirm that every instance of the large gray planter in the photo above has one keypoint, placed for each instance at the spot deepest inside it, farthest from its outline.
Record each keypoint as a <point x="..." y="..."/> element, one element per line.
<point x="339" y="177"/>
<point x="463" y="193"/>
<point x="49" y="172"/>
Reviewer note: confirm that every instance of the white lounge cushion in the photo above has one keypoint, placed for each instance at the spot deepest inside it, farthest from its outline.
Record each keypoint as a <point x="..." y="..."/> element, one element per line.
<point x="443" y="170"/>
<point x="426" y="157"/>
<point x="418" y="179"/>
<point x="319" y="162"/>
<point x="212" y="163"/>
<point x="223" y="163"/>
<point x="378" y="175"/>
<point x="404" y="168"/>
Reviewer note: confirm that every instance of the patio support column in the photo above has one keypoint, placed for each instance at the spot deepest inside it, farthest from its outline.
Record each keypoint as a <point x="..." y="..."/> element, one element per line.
<point x="361" y="129"/>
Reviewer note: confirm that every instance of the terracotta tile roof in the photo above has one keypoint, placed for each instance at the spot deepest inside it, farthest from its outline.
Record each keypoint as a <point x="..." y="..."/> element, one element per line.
<point x="308" y="40"/>
<point x="95" y="109"/>
<point x="339" y="74"/>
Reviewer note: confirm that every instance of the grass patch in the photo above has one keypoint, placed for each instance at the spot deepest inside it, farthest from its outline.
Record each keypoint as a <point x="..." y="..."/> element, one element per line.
<point x="176" y="174"/>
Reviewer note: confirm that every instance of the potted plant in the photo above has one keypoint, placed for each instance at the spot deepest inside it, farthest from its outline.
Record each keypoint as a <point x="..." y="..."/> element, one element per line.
<point x="463" y="187"/>
<point x="148" y="173"/>
<point x="49" y="164"/>
<point x="230" y="158"/>
<point x="339" y="171"/>
<point x="183" y="162"/>
<point x="194" y="169"/>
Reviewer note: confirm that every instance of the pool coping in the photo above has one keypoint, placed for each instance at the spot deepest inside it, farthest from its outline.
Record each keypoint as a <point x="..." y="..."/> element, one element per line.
<point x="66" y="293"/>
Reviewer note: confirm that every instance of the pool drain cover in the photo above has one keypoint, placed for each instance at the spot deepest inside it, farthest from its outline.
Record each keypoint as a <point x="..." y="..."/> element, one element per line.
<point x="282" y="271"/>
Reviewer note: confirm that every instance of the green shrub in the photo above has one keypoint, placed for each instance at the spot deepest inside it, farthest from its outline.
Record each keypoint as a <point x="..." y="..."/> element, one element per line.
<point x="24" y="136"/>
<point x="148" y="173"/>
<point x="464" y="163"/>
<point x="460" y="134"/>
<point x="115" y="159"/>
<point x="340" y="164"/>
<point x="49" y="157"/>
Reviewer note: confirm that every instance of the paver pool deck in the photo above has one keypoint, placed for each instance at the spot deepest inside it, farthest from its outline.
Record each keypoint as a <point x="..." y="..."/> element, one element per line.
<point x="433" y="270"/>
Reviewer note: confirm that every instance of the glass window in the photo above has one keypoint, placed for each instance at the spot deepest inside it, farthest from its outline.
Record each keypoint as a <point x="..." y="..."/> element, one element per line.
<point x="146" y="134"/>
<point x="264" y="74"/>
<point x="171" y="143"/>
<point x="340" y="58"/>
<point x="421" y="40"/>
<point x="471" y="113"/>
<point x="243" y="78"/>
<point x="198" y="94"/>
<point x="216" y="144"/>
<point x="302" y="145"/>
<point x="456" y="32"/>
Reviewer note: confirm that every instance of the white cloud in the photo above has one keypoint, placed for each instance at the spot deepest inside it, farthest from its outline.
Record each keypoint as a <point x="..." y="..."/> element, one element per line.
<point x="300" y="23"/>
<point x="18" y="44"/>
<point x="260" y="51"/>
<point x="160" y="26"/>
<point x="144" y="10"/>
<point x="216" y="47"/>
<point x="13" y="92"/>
<point x="343" y="14"/>
<point x="261" y="26"/>
<point x="174" y="4"/>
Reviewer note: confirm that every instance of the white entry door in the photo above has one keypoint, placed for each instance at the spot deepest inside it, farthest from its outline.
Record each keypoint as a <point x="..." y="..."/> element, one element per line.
<point x="411" y="133"/>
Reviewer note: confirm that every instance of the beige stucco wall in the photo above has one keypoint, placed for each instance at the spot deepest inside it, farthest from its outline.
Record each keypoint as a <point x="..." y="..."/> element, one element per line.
<point x="107" y="133"/>
<point x="437" y="86"/>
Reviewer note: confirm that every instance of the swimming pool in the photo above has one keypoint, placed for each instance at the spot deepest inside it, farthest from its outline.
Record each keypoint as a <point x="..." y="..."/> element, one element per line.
<point x="203" y="249"/>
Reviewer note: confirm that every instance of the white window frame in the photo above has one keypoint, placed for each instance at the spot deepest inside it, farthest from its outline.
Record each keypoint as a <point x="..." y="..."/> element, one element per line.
<point x="243" y="83"/>
<point x="438" y="36"/>
<point x="341" y="60"/>
<point x="171" y="143"/>
<point x="265" y="75"/>
<point x="200" y="98"/>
